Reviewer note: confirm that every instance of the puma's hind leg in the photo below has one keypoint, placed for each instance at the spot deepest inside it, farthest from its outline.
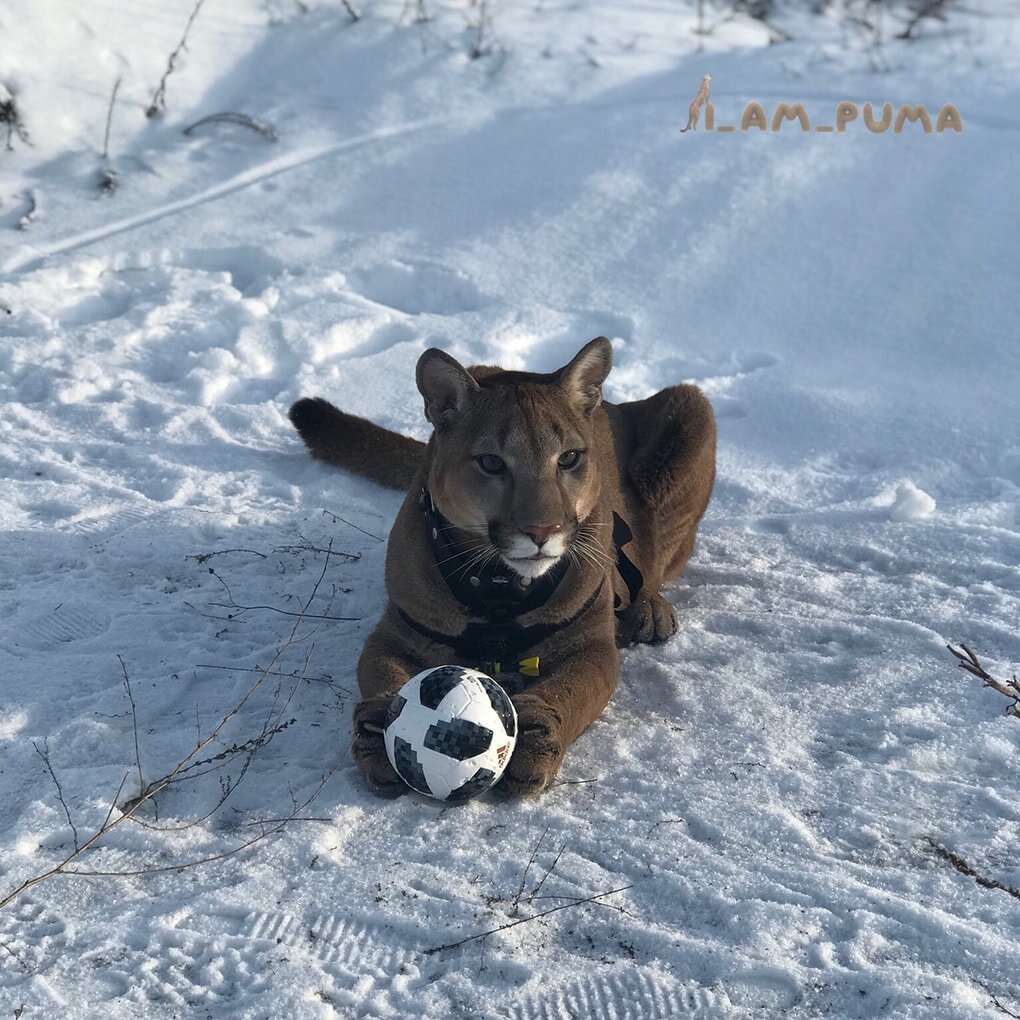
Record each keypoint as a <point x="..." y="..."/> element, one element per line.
<point x="672" y="469"/>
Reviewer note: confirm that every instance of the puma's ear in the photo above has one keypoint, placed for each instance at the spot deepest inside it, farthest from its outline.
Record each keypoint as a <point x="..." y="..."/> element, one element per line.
<point x="582" y="379"/>
<point x="445" y="385"/>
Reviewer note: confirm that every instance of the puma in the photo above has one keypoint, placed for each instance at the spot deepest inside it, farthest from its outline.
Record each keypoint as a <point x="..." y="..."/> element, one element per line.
<point x="539" y="521"/>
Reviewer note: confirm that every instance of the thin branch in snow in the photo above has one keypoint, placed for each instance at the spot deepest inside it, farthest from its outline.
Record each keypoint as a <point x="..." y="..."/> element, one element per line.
<point x="109" y="119"/>
<point x="355" y="14"/>
<point x="18" y="960"/>
<point x="664" y="821"/>
<point x="966" y="869"/>
<point x="516" y="905"/>
<point x="548" y="872"/>
<point x="342" y="520"/>
<point x="44" y="753"/>
<point x="108" y="177"/>
<point x="158" y="102"/>
<point x="304" y="615"/>
<point x="260" y="127"/>
<point x="481" y="26"/>
<point x="134" y="723"/>
<point x="998" y="1005"/>
<point x="338" y="690"/>
<point x="202" y="557"/>
<point x="524" y="920"/>
<point x="972" y="664"/>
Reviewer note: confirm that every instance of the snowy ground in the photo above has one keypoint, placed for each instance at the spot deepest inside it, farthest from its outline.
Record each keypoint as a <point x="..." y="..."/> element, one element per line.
<point x="769" y="784"/>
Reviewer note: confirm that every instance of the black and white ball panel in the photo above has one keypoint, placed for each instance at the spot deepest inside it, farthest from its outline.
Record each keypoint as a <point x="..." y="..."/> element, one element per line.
<point x="438" y="684"/>
<point x="478" y="783"/>
<point x="458" y="738"/>
<point x="408" y="767"/>
<point x="501" y="704"/>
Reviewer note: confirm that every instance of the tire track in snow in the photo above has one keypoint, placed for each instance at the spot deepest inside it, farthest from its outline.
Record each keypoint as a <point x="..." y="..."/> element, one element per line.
<point x="291" y="161"/>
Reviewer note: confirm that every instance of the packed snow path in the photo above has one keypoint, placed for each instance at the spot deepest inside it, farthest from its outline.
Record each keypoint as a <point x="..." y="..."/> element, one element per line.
<point x="773" y="784"/>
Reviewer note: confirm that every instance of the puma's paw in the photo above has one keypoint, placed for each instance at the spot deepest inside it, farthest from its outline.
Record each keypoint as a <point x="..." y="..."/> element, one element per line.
<point x="368" y="749"/>
<point x="540" y="747"/>
<point x="648" y="620"/>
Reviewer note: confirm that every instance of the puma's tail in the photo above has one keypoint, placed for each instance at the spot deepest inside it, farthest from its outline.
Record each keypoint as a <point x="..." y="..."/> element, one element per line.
<point x="356" y="444"/>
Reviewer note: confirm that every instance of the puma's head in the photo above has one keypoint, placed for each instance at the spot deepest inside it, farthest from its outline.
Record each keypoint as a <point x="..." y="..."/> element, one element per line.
<point x="512" y="460"/>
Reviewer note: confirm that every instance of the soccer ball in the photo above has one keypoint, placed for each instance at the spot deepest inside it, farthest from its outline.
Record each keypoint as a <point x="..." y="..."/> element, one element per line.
<point x="450" y="732"/>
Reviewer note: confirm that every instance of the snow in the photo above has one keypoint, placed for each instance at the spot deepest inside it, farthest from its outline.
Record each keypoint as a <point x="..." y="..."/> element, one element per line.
<point x="911" y="503"/>
<point x="769" y="786"/>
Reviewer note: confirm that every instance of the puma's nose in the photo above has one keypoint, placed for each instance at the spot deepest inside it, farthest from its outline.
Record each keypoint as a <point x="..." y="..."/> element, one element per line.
<point x="540" y="535"/>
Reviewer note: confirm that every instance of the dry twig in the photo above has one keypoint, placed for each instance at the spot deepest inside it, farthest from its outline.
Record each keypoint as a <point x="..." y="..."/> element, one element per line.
<point x="1007" y="688"/>
<point x="108" y="177"/>
<point x="44" y="753"/>
<point x="525" y="920"/>
<point x="234" y="604"/>
<point x="158" y="102"/>
<point x="260" y="127"/>
<point x="109" y="119"/>
<point x="966" y="869"/>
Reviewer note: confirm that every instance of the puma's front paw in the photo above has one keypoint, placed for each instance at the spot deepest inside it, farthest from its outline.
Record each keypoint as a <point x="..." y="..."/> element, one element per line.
<point x="369" y="751"/>
<point x="648" y="620"/>
<point x="540" y="747"/>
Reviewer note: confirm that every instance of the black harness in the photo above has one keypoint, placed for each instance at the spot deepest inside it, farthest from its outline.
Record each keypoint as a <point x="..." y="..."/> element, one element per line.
<point x="499" y="595"/>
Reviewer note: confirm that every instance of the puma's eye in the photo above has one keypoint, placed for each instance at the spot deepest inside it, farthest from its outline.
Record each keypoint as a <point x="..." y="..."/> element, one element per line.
<point x="490" y="463"/>
<point x="570" y="459"/>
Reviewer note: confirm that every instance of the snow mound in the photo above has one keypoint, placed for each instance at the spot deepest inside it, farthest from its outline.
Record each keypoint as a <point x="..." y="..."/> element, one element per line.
<point x="911" y="503"/>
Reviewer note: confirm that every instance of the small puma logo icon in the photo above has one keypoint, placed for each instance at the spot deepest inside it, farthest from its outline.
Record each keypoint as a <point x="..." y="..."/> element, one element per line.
<point x="699" y="100"/>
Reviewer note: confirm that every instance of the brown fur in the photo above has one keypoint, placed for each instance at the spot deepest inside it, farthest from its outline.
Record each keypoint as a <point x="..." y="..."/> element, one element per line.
<point x="652" y="461"/>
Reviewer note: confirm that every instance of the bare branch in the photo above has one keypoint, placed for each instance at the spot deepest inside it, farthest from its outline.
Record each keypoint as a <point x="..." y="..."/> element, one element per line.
<point x="516" y="905"/>
<point x="109" y="119"/>
<point x="44" y="753"/>
<point x="525" y="920"/>
<point x="158" y="102"/>
<point x="134" y="723"/>
<point x="966" y="869"/>
<point x="1007" y="688"/>
<point x="343" y="520"/>
<point x="202" y="557"/>
<point x="260" y="127"/>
